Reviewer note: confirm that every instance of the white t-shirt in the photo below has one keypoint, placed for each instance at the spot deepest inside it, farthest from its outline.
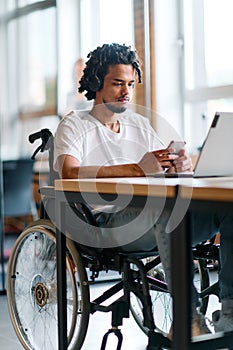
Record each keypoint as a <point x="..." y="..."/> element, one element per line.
<point x="85" y="138"/>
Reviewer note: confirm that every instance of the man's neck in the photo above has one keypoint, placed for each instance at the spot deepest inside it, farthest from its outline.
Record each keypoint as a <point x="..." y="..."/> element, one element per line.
<point x="106" y="117"/>
<point x="113" y="126"/>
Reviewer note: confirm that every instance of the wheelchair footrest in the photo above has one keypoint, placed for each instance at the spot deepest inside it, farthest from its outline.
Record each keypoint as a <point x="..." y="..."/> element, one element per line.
<point x="117" y="333"/>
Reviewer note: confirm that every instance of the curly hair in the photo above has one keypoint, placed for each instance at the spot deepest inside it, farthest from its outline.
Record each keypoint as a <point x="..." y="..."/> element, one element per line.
<point x="99" y="61"/>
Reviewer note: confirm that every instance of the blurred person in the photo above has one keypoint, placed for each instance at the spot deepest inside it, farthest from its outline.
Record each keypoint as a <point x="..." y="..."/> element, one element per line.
<point x="74" y="99"/>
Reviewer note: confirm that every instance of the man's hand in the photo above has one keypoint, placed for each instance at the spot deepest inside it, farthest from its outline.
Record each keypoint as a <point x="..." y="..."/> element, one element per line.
<point x="156" y="161"/>
<point x="182" y="163"/>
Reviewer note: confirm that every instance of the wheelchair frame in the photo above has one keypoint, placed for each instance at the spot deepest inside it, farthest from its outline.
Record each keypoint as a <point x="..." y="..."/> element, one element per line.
<point x="141" y="278"/>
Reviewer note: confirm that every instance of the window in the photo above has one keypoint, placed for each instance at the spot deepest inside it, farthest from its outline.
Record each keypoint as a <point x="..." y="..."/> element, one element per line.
<point x="28" y="54"/>
<point x="193" y="61"/>
<point x="37" y="63"/>
<point x="105" y="21"/>
<point x="208" y="69"/>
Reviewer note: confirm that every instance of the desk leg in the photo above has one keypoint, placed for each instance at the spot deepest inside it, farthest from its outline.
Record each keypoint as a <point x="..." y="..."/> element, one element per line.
<point x="61" y="277"/>
<point x="181" y="285"/>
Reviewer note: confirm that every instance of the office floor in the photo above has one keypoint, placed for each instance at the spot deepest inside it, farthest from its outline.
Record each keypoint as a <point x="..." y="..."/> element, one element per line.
<point x="133" y="337"/>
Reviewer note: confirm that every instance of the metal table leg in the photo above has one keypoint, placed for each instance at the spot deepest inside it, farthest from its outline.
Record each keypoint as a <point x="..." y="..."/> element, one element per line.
<point x="181" y="285"/>
<point x="61" y="276"/>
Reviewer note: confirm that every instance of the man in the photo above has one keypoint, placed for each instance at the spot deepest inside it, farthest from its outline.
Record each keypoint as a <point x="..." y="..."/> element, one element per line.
<point x="112" y="141"/>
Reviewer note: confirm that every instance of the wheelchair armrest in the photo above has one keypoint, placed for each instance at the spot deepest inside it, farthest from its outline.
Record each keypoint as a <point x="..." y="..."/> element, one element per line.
<point x="47" y="192"/>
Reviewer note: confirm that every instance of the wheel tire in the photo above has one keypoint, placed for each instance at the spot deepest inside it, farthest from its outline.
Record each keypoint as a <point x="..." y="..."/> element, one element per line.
<point x="32" y="289"/>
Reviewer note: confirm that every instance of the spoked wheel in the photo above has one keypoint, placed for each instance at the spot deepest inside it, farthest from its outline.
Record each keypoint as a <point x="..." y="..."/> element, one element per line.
<point x="32" y="290"/>
<point x="161" y="299"/>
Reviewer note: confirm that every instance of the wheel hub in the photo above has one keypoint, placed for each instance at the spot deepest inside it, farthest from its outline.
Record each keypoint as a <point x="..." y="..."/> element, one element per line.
<point x="39" y="291"/>
<point x="41" y="294"/>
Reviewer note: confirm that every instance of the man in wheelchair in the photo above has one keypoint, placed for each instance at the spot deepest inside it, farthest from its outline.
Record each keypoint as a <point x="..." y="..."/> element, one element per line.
<point x="111" y="140"/>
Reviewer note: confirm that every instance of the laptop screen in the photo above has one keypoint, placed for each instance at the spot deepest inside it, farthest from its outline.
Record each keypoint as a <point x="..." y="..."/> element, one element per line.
<point x="216" y="156"/>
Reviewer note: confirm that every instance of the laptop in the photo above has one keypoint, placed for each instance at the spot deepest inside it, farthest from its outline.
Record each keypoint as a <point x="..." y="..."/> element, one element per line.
<point x="216" y="155"/>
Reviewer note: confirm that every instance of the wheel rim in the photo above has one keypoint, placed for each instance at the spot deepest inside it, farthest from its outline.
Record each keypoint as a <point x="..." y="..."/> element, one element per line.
<point x="32" y="291"/>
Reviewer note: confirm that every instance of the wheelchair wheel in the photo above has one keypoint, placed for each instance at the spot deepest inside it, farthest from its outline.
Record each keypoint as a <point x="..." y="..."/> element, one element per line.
<point x="162" y="300"/>
<point x="32" y="290"/>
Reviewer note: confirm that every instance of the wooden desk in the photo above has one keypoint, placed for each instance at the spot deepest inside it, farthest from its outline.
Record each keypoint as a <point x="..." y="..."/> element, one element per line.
<point x="189" y="190"/>
<point x="139" y="186"/>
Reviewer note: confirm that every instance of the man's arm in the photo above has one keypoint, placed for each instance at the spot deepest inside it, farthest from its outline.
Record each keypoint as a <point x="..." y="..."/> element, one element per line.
<point x="69" y="167"/>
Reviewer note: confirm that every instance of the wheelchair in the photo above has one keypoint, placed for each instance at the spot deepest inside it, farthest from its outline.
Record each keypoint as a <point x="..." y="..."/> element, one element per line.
<point x="32" y="282"/>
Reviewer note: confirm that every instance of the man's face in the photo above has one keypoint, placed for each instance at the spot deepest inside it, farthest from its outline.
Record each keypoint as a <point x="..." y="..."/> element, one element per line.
<point x="118" y="87"/>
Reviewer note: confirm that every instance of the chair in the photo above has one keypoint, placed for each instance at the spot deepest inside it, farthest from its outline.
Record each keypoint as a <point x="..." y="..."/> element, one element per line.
<point x="17" y="199"/>
<point x="17" y="187"/>
<point x="32" y="285"/>
<point x="18" y="202"/>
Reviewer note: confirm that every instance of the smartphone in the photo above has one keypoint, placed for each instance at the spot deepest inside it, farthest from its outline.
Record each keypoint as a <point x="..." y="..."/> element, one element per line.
<point x="177" y="145"/>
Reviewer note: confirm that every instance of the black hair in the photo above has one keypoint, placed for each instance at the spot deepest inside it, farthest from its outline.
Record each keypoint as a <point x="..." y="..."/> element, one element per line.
<point x="99" y="61"/>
